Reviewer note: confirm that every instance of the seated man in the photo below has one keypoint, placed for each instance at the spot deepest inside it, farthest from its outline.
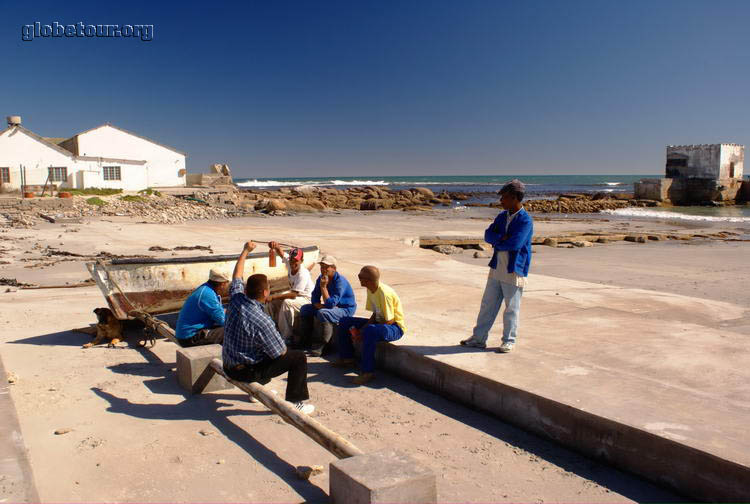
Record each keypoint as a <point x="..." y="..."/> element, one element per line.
<point x="201" y="319"/>
<point x="253" y="350"/>
<point x="284" y="306"/>
<point x="385" y="324"/>
<point x="332" y="299"/>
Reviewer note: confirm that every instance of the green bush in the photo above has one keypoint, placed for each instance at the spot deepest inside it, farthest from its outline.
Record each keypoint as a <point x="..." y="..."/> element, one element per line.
<point x="131" y="197"/>
<point x="96" y="201"/>
<point x="93" y="191"/>
<point x="149" y="191"/>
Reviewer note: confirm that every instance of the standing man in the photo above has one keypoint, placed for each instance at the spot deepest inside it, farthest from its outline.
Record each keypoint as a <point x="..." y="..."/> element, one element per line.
<point x="201" y="318"/>
<point x="510" y="235"/>
<point x="385" y="324"/>
<point x="332" y="299"/>
<point x="284" y="307"/>
<point x="253" y="349"/>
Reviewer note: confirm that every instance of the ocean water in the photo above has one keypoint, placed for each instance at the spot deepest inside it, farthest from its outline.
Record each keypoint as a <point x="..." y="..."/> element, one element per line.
<point x="484" y="188"/>
<point x="536" y="185"/>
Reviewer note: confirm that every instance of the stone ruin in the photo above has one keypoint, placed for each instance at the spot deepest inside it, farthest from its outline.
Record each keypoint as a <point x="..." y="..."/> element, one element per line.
<point x="218" y="175"/>
<point x="710" y="174"/>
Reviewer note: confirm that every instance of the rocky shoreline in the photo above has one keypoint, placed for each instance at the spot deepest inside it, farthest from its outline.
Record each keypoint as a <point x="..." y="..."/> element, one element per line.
<point x="198" y="204"/>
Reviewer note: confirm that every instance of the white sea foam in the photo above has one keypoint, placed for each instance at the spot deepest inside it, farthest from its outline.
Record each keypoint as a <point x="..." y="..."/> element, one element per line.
<point x="359" y="182"/>
<point x="613" y="183"/>
<point x="656" y="214"/>
<point x="279" y="183"/>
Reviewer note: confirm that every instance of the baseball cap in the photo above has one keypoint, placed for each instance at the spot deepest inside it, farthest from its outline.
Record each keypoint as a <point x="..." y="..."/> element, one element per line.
<point x="515" y="185"/>
<point x="217" y="276"/>
<point x="328" y="260"/>
<point x="296" y="254"/>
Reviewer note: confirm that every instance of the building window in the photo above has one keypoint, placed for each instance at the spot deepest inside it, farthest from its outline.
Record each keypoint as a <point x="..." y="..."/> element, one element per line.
<point x="58" y="174"/>
<point x="4" y="175"/>
<point x="111" y="172"/>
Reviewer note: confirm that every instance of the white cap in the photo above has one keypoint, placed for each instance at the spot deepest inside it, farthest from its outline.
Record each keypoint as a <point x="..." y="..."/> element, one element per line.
<point x="328" y="260"/>
<point x="217" y="276"/>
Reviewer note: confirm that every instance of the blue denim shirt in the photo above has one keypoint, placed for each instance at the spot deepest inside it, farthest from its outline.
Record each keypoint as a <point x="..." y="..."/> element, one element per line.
<point x="340" y="294"/>
<point x="518" y="243"/>
<point x="201" y="310"/>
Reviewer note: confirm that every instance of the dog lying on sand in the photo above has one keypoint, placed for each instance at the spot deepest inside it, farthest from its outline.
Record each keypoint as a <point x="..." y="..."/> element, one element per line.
<point x="107" y="327"/>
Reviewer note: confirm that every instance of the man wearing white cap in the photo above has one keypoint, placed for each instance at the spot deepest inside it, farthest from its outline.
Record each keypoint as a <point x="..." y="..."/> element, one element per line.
<point x="332" y="299"/>
<point x="201" y="319"/>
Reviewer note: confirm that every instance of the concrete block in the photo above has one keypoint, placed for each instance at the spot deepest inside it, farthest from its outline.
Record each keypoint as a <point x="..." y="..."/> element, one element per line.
<point x="384" y="476"/>
<point x="194" y="373"/>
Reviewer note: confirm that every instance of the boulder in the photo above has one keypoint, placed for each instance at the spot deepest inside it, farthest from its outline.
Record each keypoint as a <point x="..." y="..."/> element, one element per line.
<point x="447" y="249"/>
<point x="316" y="204"/>
<point x="582" y="243"/>
<point x="275" y="204"/>
<point x="550" y="242"/>
<point x="376" y="204"/>
<point x="424" y="192"/>
<point x="306" y="190"/>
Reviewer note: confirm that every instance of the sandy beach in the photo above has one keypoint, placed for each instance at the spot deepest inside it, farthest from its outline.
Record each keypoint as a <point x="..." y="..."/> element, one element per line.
<point x="134" y="435"/>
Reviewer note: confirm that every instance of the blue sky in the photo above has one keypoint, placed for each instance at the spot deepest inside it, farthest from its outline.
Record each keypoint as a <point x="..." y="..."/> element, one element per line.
<point x="334" y="88"/>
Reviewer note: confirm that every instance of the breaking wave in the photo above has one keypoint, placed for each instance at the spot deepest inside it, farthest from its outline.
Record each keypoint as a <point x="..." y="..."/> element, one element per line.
<point x="657" y="214"/>
<point x="286" y="183"/>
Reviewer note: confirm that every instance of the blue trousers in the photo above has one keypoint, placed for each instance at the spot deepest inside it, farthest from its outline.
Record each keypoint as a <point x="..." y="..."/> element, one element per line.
<point x="332" y="315"/>
<point x="494" y="294"/>
<point x="373" y="333"/>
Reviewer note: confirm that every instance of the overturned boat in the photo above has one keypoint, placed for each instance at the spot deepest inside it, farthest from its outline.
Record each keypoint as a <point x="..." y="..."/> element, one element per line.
<point x="156" y="286"/>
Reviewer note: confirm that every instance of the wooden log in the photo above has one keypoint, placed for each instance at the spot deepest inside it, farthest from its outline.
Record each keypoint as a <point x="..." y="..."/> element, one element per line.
<point x="325" y="437"/>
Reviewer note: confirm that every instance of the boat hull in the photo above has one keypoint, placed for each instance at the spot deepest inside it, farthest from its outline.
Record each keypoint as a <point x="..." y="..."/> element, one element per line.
<point x="158" y="286"/>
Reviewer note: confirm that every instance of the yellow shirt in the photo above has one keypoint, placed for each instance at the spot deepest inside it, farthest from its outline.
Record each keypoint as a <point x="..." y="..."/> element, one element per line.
<point x="386" y="305"/>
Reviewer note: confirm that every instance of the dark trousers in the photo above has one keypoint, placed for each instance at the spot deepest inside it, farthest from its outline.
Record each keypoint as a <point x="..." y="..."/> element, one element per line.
<point x="204" y="337"/>
<point x="293" y="361"/>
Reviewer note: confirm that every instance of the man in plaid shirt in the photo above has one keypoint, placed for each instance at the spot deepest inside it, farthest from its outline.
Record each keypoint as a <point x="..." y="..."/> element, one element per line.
<point x="253" y="349"/>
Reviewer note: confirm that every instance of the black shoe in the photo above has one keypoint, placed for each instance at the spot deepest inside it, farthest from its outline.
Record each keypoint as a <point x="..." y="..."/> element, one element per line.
<point x="313" y="353"/>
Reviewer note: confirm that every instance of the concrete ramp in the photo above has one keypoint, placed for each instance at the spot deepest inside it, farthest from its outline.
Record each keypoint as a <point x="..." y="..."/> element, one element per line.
<point x="650" y="382"/>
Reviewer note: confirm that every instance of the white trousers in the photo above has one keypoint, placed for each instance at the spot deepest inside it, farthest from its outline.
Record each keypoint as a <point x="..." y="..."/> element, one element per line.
<point x="284" y="312"/>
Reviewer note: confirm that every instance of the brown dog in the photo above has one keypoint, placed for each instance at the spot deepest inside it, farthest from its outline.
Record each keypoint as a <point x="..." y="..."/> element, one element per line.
<point x="107" y="327"/>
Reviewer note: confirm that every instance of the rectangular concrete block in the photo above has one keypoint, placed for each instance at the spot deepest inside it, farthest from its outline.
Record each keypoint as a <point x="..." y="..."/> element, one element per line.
<point x="386" y="476"/>
<point x="194" y="373"/>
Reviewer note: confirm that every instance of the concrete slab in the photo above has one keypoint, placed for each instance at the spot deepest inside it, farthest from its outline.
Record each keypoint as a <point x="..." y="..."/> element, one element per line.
<point x="651" y="382"/>
<point x="383" y="476"/>
<point x="16" y="478"/>
<point x="193" y="369"/>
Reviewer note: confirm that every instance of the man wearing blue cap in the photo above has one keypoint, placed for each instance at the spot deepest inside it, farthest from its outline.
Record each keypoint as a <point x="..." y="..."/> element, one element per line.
<point x="510" y="236"/>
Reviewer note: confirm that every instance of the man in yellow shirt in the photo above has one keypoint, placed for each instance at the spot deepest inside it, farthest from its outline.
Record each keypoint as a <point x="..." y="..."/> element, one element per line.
<point x="385" y="324"/>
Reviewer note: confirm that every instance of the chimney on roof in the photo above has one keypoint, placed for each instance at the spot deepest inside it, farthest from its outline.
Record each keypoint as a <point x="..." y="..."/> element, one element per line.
<point x="14" y="120"/>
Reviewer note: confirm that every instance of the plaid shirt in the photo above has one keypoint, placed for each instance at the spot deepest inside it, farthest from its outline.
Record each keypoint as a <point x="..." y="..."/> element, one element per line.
<point x="250" y="335"/>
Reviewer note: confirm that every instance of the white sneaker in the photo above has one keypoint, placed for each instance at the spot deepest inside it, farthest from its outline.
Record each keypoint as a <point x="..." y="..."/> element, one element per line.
<point x="505" y="348"/>
<point x="307" y="409"/>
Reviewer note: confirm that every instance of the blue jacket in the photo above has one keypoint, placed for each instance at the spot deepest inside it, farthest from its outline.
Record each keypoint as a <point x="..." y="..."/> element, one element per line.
<point x="518" y="243"/>
<point x="340" y="294"/>
<point x="202" y="310"/>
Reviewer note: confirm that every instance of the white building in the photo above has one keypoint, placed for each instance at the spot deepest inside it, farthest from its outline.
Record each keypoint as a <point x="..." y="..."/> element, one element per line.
<point x="106" y="157"/>
<point x="708" y="161"/>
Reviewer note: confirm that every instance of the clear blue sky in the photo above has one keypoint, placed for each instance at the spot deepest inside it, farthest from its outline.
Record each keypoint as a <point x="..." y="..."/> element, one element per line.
<point x="351" y="88"/>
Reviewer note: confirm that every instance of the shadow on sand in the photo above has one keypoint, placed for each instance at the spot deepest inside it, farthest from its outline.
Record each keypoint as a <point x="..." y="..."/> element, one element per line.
<point x="204" y="407"/>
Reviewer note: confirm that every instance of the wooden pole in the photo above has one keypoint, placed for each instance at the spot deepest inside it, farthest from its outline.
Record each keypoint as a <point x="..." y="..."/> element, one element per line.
<point x="325" y="437"/>
<point x="161" y="328"/>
